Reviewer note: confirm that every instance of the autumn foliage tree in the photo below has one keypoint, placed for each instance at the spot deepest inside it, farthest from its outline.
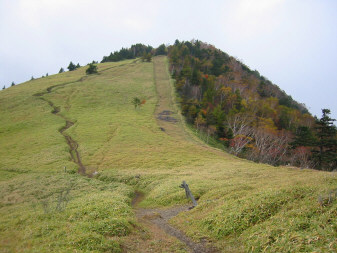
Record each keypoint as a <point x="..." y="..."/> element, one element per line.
<point x="147" y="57"/>
<point x="227" y="100"/>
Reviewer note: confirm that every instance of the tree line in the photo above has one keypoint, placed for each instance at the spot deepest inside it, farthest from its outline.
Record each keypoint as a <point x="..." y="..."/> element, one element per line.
<point x="136" y="51"/>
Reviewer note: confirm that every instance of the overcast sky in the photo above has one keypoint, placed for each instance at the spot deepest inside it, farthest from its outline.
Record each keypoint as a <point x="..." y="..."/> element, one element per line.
<point x="291" y="42"/>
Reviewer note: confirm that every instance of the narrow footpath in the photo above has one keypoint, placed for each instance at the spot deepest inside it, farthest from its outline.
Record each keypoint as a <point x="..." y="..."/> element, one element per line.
<point x="156" y="221"/>
<point x="73" y="145"/>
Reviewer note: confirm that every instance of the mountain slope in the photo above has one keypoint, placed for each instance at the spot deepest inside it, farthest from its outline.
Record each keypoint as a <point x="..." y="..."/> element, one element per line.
<point x="242" y="206"/>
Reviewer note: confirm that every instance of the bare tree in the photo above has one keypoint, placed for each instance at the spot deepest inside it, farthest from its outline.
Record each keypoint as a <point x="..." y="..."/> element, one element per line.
<point x="301" y="157"/>
<point x="271" y="146"/>
<point x="240" y="125"/>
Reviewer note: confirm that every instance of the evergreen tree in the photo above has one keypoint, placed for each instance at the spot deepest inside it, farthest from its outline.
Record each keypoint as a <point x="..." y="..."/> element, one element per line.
<point x="92" y="69"/>
<point x="71" y="66"/>
<point x="61" y="70"/>
<point x="161" y="50"/>
<point x="78" y="65"/>
<point x="304" y="138"/>
<point x="12" y="84"/>
<point x="4" y="87"/>
<point x="47" y="74"/>
<point x="32" y="78"/>
<point x="326" y="131"/>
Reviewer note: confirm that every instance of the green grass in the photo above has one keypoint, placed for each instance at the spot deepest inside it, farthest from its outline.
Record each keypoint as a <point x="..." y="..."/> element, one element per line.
<point x="243" y="206"/>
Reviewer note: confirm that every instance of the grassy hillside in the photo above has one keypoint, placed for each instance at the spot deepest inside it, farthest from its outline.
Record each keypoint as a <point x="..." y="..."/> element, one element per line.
<point x="243" y="206"/>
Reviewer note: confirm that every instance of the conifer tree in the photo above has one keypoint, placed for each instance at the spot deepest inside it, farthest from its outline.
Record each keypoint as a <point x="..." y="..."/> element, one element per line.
<point x="12" y="84"/>
<point x="304" y="137"/>
<point x="71" y="66"/>
<point x="326" y="131"/>
<point x="4" y="87"/>
<point x="61" y="70"/>
<point x="161" y="50"/>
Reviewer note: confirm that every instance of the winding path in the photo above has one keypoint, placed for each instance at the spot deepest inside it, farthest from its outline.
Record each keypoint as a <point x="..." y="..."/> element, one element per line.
<point x="73" y="145"/>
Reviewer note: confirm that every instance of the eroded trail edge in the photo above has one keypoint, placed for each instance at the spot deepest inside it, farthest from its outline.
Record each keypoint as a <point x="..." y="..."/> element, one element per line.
<point x="73" y="145"/>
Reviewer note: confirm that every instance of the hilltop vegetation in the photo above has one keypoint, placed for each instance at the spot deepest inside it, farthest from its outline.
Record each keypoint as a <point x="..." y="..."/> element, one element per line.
<point x="46" y="206"/>
<point x="251" y="116"/>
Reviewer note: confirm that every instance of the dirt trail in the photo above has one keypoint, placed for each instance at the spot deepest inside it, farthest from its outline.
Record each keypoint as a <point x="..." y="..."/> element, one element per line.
<point x="166" y="113"/>
<point x="73" y="145"/>
<point x="158" y="220"/>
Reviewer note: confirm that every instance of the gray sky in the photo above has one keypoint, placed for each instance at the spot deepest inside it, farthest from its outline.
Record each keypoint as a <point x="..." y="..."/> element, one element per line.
<point x="291" y="42"/>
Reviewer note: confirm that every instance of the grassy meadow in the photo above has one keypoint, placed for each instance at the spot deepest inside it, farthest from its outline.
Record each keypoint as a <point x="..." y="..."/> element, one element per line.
<point x="242" y="206"/>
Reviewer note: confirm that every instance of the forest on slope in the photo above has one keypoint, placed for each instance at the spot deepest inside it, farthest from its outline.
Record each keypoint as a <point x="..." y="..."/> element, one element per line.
<point x="241" y="110"/>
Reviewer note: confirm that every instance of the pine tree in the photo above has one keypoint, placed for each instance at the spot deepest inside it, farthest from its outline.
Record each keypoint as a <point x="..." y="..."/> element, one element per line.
<point x="71" y="66"/>
<point x="304" y="138"/>
<point x="4" y="87"/>
<point x="78" y="65"/>
<point x="161" y="50"/>
<point x="326" y="152"/>
<point x="32" y="78"/>
<point x="61" y="70"/>
<point x="12" y="84"/>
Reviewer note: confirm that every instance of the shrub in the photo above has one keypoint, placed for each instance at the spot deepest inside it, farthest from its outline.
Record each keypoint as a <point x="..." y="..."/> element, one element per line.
<point x="92" y="69"/>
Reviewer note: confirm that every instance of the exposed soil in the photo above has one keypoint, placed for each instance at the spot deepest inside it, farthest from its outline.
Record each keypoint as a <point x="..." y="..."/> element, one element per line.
<point x="73" y="145"/>
<point x="164" y="115"/>
<point x="159" y="218"/>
